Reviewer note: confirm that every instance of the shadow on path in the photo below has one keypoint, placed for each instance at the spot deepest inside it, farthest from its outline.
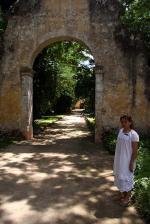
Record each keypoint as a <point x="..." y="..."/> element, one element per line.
<point x="61" y="177"/>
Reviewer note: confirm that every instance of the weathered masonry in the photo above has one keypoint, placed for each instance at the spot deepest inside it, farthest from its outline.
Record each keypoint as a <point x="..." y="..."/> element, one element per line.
<point x="121" y="85"/>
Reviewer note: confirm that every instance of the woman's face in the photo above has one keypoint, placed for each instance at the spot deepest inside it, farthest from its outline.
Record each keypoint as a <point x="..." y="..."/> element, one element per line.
<point x="125" y="123"/>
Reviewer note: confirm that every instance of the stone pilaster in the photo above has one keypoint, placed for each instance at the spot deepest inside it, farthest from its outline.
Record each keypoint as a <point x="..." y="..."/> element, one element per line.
<point x="99" y="75"/>
<point x="27" y="102"/>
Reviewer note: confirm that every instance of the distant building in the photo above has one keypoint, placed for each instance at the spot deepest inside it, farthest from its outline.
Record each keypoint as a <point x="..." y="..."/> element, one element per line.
<point x="80" y="104"/>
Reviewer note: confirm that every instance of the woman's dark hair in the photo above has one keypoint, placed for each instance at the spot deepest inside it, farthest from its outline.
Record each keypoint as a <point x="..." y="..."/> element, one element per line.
<point x="128" y="118"/>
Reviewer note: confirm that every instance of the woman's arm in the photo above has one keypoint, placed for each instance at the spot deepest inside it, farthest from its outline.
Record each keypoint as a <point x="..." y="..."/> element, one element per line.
<point x="134" y="156"/>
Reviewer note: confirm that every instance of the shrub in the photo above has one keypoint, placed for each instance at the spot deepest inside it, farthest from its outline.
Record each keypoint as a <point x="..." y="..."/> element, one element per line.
<point x="141" y="191"/>
<point x="90" y="123"/>
<point x="109" y="140"/>
<point x="142" y="196"/>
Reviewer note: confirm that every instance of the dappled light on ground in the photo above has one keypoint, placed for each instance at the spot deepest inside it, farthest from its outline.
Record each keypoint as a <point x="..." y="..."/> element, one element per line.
<point x="70" y="127"/>
<point x="69" y="182"/>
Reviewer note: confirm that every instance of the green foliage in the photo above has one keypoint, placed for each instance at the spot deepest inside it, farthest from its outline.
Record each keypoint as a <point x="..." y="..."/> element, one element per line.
<point x="136" y="18"/>
<point x="142" y="178"/>
<point x="109" y="140"/>
<point x="85" y="85"/>
<point x="143" y="169"/>
<point x="90" y="122"/>
<point x="46" y="121"/>
<point x="142" y="196"/>
<point x="63" y="104"/>
<point x="39" y="125"/>
<point x="61" y="77"/>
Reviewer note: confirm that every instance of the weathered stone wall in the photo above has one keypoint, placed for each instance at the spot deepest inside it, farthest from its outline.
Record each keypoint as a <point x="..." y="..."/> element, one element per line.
<point x="120" y="88"/>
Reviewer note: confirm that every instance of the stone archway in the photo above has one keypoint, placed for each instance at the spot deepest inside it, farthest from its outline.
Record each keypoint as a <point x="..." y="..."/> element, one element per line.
<point x="26" y="74"/>
<point x="118" y="90"/>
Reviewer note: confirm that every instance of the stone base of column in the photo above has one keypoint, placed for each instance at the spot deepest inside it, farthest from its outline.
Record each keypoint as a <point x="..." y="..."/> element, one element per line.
<point x="28" y="133"/>
<point x="98" y="136"/>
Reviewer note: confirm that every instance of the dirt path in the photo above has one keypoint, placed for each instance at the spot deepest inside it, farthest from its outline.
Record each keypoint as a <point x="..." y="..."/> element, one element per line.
<point x="60" y="178"/>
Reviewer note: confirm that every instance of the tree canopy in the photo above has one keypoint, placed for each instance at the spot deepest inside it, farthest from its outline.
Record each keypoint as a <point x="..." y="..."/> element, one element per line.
<point x="63" y="72"/>
<point x="136" y="18"/>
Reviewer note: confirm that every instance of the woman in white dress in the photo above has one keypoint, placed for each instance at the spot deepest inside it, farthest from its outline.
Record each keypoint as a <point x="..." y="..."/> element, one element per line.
<point x="125" y="158"/>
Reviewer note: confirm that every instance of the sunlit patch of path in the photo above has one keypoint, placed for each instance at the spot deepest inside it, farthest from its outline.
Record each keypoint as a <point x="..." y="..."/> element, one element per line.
<point x="61" y="177"/>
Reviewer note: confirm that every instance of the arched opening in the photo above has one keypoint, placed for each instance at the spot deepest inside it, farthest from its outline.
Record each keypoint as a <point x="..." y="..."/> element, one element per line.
<point x="63" y="82"/>
<point x="27" y="74"/>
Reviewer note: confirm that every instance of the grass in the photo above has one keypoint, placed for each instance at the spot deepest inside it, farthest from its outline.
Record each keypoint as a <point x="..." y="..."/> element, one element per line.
<point x="46" y="121"/>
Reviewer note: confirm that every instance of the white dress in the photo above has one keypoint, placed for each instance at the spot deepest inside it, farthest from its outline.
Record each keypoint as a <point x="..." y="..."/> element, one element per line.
<point x="124" y="178"/>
